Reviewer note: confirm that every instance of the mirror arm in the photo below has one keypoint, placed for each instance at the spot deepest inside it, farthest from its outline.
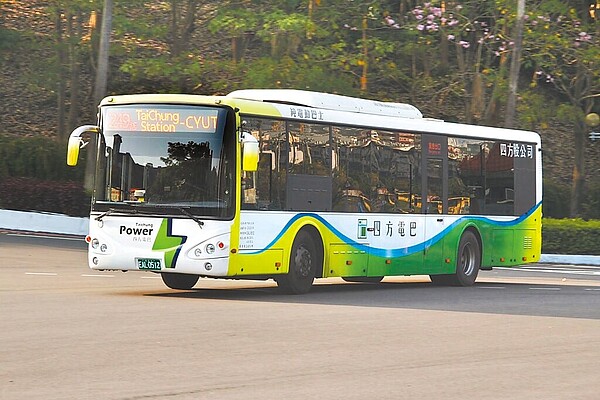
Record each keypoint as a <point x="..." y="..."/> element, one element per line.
<point x="75" y="142"/>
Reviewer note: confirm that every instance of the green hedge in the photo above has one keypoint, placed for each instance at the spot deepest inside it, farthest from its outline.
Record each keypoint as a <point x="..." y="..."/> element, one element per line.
<point x="34" y="176"/>
<point x="30" y="194"/>
<point x="570" y="236"/>
<point x="36" y="157"/>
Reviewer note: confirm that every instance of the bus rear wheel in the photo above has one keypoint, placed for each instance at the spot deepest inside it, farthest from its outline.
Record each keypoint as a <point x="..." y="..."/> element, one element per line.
<point x="304" y="261"/>
<point x="179" y="281"/>
<point x="468" y="263"/>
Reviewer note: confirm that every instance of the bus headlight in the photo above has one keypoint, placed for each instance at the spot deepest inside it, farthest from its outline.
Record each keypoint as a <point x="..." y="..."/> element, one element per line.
<point x="95" y="243"/>
<point x="210" y="248"/>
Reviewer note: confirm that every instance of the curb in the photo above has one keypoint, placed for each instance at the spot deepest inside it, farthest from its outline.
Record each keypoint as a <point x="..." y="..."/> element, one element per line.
<point x="43" y="222"/>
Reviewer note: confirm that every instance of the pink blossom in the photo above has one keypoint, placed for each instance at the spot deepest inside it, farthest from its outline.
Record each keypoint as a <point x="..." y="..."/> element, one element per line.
<point x="420" y="27"/>
<point x="451" y="37"/>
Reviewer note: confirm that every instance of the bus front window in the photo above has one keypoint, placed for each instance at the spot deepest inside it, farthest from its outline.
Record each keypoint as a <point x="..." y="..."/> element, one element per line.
<point x="165" y="156"/>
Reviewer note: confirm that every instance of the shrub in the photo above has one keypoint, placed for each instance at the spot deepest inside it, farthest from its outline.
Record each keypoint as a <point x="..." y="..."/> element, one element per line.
<point x="36" y="157"/>
<point x="591" y="202"/>
<point x="570" y="236"/>
<point x="25" y="194"/>
<point x="557" y="199"/>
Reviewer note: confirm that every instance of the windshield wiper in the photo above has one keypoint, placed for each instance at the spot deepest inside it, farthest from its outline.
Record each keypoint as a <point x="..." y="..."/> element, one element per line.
<point x="189" y="214"/>
<point x="104" y="214"/>
<point x="115" y="210"/>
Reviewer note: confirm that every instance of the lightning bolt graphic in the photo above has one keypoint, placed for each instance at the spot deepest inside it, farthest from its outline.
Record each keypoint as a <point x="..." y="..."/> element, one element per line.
<point x="168" y="243"/>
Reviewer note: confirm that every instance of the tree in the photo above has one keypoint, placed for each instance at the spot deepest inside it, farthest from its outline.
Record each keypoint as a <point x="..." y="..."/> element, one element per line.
<point x="562" y="54"/>
<point x="70" y="18"/>
<point x="101" y="80"/>
<point x="515" y="67"/>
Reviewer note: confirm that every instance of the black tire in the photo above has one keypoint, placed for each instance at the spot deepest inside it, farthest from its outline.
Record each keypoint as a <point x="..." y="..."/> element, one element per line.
<point x="363" y="279"/>
<point x="468" y="263"/>
<point x="304" y="261"/>
<point x="179" y="281"/>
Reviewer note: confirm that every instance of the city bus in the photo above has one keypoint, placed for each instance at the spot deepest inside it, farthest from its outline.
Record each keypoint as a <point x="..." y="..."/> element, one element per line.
<point x="294" y="185"/>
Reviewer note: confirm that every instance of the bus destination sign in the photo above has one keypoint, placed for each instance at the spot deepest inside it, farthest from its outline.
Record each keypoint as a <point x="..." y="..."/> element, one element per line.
<point x="159" y="120"/>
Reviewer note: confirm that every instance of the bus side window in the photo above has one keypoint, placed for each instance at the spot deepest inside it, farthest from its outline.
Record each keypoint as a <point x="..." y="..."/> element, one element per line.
<point x="264" y="181"/>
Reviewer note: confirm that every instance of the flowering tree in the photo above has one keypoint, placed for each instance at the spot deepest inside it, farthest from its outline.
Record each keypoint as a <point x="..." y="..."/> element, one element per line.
<point x="472" y="33"/>
<point x="559" y="52"/>
<point x="563" y="55"/>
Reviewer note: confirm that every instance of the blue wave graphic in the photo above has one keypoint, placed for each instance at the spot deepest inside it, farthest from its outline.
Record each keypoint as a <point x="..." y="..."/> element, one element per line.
<point x="401" y="251"/>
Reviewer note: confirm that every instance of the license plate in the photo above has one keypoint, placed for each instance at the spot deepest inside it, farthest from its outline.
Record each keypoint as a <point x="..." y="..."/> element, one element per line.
<point x="148" y="263"/>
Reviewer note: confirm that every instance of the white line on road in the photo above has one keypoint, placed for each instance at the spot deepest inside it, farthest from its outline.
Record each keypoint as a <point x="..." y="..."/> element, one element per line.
<point x="593" y="290"/>
<point x="491" y="287"/>
<point x="150" y="277"/>
<point x="97" y="276"/>
<point x="41" y="273"/>
<point x="545" y="288"/>
<point x="552" y="271"/>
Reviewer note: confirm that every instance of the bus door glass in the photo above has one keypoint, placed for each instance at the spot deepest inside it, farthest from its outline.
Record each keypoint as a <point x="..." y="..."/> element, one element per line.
<point x="434" y="196"/>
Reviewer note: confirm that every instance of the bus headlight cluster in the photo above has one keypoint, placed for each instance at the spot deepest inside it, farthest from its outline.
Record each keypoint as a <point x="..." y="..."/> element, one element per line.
<point x="96" y="245"/>
<point x="210" y="248"/>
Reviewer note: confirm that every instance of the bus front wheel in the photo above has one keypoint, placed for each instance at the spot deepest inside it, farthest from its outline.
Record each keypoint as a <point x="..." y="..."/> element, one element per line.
<point x="304" y="261"/>
<point x="179" y="281"/>
<point x="468" y="263"/>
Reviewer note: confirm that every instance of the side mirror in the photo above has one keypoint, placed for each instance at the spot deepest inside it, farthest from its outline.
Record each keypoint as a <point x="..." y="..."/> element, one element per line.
<point x="250" y="152"/>
<point x="76" y="142"/>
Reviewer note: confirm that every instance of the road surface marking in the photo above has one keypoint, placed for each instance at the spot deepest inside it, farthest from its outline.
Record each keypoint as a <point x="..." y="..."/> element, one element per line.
<point x="97" y="276"/>
<point x="491" y="287"/>
<point x="41" y="273"/>
<point x="544" y="288"/>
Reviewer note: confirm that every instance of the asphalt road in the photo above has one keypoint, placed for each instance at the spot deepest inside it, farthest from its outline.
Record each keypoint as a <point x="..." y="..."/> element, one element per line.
<point x="72" y="333"/>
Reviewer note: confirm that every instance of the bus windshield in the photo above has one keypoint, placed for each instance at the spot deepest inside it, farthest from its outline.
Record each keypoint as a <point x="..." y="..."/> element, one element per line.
<point x="165" y="157"/>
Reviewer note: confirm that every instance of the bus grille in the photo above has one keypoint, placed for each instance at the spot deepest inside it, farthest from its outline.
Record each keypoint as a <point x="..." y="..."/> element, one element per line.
<point x="527" y="242"/>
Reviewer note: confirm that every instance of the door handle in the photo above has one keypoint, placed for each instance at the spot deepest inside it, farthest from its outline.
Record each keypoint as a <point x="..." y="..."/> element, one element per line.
<point x="440" y="220"/>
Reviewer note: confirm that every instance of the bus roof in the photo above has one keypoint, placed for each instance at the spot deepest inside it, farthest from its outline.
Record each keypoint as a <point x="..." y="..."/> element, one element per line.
<point x="333" y="109"/>
<point x="328" y="101"/>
